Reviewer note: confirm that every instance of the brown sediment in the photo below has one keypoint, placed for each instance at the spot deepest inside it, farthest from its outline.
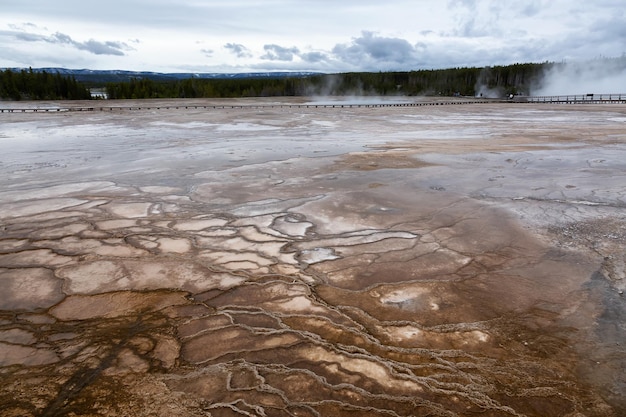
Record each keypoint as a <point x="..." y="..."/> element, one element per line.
<point x="216" y="266"/>
<point x="369" y="161"/>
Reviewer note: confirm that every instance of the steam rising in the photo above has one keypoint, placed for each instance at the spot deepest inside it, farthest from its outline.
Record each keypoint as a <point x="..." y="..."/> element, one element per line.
<point x="590" y="77"/>
<point x="482" y="87"/>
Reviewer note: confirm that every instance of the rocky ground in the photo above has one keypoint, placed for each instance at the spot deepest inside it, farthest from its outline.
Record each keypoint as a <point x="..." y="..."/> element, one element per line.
<point x="272" y="261"/>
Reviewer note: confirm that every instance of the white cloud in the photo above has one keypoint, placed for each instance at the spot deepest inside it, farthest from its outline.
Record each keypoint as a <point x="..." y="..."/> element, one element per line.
<point x="279" y="53"/>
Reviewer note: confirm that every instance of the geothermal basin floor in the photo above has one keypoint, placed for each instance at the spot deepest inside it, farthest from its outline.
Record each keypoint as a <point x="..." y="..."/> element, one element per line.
<point x="270" y="261"/>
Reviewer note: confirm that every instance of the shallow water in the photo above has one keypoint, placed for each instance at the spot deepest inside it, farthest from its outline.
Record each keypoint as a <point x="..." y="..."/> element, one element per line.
<point x="446" y="260"/>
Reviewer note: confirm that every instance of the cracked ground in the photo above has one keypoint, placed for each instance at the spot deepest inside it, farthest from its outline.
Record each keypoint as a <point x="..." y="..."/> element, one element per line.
<point x="273" y="261"/>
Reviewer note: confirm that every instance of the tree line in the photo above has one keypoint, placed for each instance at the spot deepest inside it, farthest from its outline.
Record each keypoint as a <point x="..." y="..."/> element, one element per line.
<point x="502" y="80"/>
<point x="40" y="85"/>
<point x="493" y="81"/>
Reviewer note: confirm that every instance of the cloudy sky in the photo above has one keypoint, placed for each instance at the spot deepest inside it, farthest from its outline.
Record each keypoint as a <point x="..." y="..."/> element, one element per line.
<point x="308" y="35"/>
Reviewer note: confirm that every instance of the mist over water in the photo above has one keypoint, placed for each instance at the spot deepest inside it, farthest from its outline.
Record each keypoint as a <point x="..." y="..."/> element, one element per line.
<point x="601" y="76"/>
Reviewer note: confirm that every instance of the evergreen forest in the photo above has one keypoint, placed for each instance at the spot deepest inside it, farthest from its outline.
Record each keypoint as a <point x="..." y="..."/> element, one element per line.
<point x="40" y="85"/>
<point x="500" y="80"/>
<point x="494" y="81"/>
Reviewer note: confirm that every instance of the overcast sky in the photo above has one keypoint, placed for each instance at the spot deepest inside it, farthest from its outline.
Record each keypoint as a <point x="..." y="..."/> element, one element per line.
<point x="309" y="35"/>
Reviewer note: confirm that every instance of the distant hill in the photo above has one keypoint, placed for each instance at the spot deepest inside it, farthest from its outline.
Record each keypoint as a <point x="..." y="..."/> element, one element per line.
<point x="101" y="77"/>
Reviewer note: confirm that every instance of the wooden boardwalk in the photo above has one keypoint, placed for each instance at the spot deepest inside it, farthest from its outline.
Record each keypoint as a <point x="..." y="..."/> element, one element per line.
<point x="577" y="99"/>
<point x="337" y="105"/>
<point x="568" y="99"/>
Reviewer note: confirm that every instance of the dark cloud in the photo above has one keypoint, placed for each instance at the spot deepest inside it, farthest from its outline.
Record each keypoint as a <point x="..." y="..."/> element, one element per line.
<point x="279" y="53"/>
<point x="238" y="49"/>
<point x="101" y="48"/>
<point x="28" y="37"/>
<point x="207" y="52"/>
<point x="314" y="57"/>
<point x="372" y="50"/>
<point x="61" y="38"/>
<point x="93" y="46"/>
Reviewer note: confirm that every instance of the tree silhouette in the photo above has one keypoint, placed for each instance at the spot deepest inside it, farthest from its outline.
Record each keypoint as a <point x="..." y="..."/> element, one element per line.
<point x="40" y="85"/>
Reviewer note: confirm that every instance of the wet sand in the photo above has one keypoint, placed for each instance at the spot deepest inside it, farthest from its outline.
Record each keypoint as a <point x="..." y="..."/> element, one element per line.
<point x="433" y="261"/>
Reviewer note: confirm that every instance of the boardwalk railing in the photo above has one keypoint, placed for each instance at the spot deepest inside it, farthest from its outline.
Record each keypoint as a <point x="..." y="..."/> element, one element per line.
<point x="580" y="98"/>
<point x="338" y="105"/>
<point x="583" y="98"/>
